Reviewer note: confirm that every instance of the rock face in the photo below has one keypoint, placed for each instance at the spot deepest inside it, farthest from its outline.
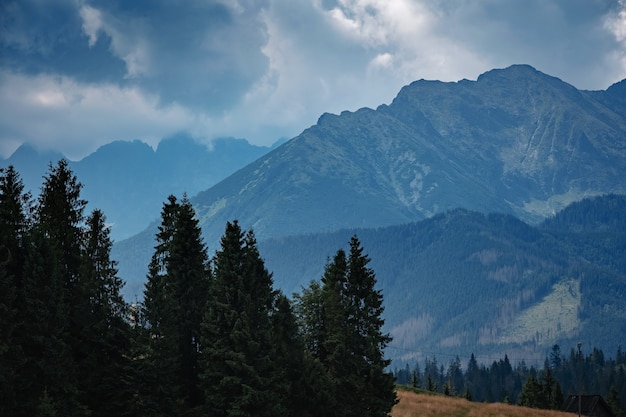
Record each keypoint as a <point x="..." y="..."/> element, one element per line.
<point x="515" y="141"/>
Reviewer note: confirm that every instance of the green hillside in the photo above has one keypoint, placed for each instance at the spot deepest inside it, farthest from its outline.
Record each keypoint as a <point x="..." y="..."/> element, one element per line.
<point x="465" y="281"/>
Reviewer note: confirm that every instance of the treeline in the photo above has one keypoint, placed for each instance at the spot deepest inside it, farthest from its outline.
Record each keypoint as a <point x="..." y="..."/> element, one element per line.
<point x="211" y="337"/>
<point x="545" y="387"/>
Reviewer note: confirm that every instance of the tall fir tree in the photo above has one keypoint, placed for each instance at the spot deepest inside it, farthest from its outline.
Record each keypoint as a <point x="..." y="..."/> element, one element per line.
<point x="15" y="207"/>
<point x="159" y="363"/>
<point x="377" y="388"/>
<point x="49" y="377"/>
<point x="188" y="270"/>
<point x="239" y="358"/>
<point x="59" y="225"/>
<point x="103" y="371"/>
<point x="174" y="304"/>
<point x="346" y="324"/>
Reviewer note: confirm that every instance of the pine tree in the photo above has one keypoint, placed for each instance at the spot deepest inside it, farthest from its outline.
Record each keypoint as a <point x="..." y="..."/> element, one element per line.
<point x="174" y="303"/>
<point x="348" y="340"/>
<point x="14" y="215"/>
<point x="531" y="393"/>
<point x="49" y="373"/>
<point x="238" y="341"/>
<point x="103" y="371"/>
<point x="365" y="319"/>
<point x="59" y="234"/>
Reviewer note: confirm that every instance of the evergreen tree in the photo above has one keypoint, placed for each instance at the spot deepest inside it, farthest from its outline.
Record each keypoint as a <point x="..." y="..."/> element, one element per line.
<point x="548" y="383"/>
<point x="14" y="215"/>
<point x="318" y="389"/>
<point x="239" y="356"/>
<point x="189" y="272"/>
<point x="174" y="302"/>
<point x="614" y="403"/>
<point x="365" y="319"/>
<point x="335" y="353"/>
<point x="347" y="338"/>
<point x="415" y="378"/>
<point x="59" y="234"/>
<point x="48" y="378"/>
<point x="103" y="371"/>
<point x="532" y="392"/>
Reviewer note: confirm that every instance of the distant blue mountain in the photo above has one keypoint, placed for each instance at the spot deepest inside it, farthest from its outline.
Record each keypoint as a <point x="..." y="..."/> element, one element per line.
<point x="129" y="181"/>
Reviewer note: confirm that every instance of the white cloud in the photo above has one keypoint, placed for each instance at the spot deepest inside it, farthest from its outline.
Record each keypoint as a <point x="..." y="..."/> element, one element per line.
<point x="92" y="23"/>
<point x="127" y="42"/>
<point x="61" y="113"/>
<point x="262" y="69"/>
<point x="616" y="24"/>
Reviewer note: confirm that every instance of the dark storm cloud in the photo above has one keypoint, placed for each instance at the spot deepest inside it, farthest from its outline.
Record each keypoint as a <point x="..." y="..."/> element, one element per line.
<point x="75" y="74"/>
<point x="47" y="37"/>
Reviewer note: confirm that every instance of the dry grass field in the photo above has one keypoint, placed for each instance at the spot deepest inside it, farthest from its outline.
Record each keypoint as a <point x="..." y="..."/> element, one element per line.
<point x="424" y="405"/>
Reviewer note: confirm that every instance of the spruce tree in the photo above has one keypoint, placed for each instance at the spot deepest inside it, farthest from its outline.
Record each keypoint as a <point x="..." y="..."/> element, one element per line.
<point x="174" y="302"/>
<point x="59" y="231"/>
<point x="239" y="356"/>
<point x="188" y="271"/>
<point x="15" y="207"/>
<point x="103" y="371"/>
<point x="49" y="376"/>
<point x="348" y="340"/>
<point x="376" y="385"/>
<point x="532" y="392"/>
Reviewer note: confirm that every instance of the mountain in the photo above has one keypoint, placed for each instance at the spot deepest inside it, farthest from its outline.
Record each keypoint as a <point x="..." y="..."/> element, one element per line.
<point x="418" y="181"/>
<point x="466" y="282"/>
<point x="128" y="180"/>
<point x="515" y="141"/>
<point x="32" y="164"/>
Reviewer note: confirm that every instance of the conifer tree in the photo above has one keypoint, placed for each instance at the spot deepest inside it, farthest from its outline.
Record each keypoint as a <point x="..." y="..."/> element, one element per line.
<point x="59" y="232"/>
<point x="239" y="355"/>
<point x="174" y="302"/>
<point x="531" y="395"/>
<point x="366" y="322"/>
<point x="14" y="215"/>
<point x="103" y="371"/>
<point x="349" y="329"/>
<point x="49" y="373"/>
<point x="188" y="271"/>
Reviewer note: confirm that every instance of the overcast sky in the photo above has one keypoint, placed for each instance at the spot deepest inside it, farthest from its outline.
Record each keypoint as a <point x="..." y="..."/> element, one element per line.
<point x="76" y="74"/>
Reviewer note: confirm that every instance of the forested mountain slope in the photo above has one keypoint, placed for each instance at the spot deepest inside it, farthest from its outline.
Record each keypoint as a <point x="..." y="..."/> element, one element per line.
<point x="464" y="282"/>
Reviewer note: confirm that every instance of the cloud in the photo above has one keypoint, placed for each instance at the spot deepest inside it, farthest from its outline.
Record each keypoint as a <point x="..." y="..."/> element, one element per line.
<point x="79" y="73"/>
<point x="616" y="24"/>
<point x="35" y="108"/>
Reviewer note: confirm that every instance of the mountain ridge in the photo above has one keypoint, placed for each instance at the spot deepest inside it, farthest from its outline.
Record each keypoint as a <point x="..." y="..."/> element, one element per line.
<point x="515" y="141"/>
<point x="128" y="179"/>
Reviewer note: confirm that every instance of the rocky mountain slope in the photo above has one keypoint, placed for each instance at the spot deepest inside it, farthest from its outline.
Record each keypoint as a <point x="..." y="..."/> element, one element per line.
<point x="515" y="141"/>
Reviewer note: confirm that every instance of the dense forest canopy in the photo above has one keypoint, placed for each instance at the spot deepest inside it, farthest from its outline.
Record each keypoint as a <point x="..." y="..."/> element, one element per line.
<point x="211" y="337"/>
<point x="214" y="336"/>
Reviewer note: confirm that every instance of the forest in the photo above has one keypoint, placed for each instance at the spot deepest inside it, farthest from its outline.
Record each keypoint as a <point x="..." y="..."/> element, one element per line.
<point x="546" y="387"/>
<point x="210" y="337"/>
<point x="213" y="336"/>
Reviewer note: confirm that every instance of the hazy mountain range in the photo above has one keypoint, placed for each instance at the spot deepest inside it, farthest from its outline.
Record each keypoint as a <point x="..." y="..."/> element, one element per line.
<point x="416" y="181"/>
<point x="129" y="180"/>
